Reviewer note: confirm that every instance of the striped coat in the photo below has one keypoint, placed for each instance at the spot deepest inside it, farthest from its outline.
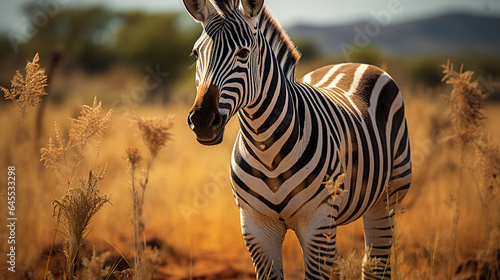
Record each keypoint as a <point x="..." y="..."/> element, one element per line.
<point x="341" y="123"/>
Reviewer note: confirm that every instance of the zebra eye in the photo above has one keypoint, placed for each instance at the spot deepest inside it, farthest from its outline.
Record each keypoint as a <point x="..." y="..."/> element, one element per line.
<point x="243" y="53"/>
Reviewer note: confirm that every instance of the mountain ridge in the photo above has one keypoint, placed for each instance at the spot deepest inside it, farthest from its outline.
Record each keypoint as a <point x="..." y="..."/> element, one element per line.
<point x="451" y="32"/>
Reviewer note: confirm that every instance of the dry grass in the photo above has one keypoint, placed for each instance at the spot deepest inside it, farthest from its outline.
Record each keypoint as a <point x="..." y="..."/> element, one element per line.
<point x="95" y="268"/>
<point x="155" y="133"/>
<point x="466" y="103"/>
<point x="214" y="227"/>
<point x="89" y="125"/>
<point x="75" y="211"/>
<point x="82" y="202"/>
<point x="351" y="268"/>
<point x="396" y="261"/>
<point x="487" y="171"/>
<point x="65" y="157"/>
<point x="26" y="92"/>
<point x="336" y="187"/>
<point x="187" y="174"/>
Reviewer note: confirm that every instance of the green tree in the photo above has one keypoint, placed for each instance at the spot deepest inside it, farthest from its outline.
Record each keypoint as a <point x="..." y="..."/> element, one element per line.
<point x="158" y="41"/>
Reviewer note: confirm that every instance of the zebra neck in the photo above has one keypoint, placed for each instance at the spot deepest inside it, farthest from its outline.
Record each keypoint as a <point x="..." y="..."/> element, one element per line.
<point x="270" y="126"/>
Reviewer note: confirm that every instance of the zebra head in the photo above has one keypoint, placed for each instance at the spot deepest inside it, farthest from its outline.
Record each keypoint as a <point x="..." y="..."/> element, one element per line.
<point x="226" y="67"/>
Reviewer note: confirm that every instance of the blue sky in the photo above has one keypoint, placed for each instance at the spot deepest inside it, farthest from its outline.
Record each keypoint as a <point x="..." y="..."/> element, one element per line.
<point x="288" y="12"/>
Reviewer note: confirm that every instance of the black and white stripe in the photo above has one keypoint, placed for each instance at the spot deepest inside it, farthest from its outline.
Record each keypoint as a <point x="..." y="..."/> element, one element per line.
<point x="342" y="119"/>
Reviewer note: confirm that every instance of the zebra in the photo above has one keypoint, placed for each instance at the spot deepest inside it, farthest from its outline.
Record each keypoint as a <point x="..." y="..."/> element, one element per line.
<point x="342" y="123"/>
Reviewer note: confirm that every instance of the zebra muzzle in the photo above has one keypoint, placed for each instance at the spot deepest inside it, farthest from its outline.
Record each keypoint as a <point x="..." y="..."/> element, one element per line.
<point x="204" y="118"/>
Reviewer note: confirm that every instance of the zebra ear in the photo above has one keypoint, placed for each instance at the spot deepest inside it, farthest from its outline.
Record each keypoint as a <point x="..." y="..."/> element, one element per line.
<point x="252" y="8"/>
<point x="200" y="10"/>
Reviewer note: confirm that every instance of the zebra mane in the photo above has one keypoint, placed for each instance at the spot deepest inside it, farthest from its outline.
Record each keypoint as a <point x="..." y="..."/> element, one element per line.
<point x="224" y="7"/>
<point x="281" y="44"/>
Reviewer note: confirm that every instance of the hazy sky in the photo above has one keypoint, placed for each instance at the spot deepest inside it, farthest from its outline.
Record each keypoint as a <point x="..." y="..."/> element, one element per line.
<point x="288" y="12"/>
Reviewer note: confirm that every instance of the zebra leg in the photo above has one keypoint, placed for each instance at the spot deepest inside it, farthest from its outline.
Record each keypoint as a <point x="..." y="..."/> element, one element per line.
<point x="264" y="239"/>
<point x="378" y="225"/>
<point x="378" y="222"/>
<point x="318" y="242"/>
<point x="378" y="239"/>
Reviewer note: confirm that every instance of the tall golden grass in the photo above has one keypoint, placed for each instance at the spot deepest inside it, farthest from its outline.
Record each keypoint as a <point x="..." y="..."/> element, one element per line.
<point x="155" y="133"/>
<point x="188" y="211"/>
<point x="27" y="91"/>
<point x="466" y="103"/>
<point x="82" y="201"/>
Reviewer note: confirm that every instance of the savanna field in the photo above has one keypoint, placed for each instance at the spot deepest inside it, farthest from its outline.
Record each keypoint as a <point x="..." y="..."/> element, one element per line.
<point x="188" y="221"/>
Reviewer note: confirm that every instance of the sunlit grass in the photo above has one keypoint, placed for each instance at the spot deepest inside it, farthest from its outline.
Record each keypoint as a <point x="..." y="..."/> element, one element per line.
<point x="187" y="175"/>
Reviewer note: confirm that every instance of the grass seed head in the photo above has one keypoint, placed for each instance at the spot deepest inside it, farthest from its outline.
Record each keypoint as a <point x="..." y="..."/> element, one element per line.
<point x="155" y="132"/>
<point x="466" y="103"/>
<point x="27" y="91"/>
<point x="75" y="211"/>
<point x="89" y="124"/>
<point x="336" y="187"/>
<point x="80" y="204"/>
<point x="133" y="157"/>
<point x="52" y="155"/>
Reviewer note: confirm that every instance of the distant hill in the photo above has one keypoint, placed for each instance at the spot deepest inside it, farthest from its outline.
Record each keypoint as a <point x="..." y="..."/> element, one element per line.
<point x="451" y="33"/>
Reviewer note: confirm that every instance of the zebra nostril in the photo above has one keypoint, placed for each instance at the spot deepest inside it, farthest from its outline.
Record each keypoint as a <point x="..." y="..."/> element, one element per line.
<point x="217" y="121"/>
